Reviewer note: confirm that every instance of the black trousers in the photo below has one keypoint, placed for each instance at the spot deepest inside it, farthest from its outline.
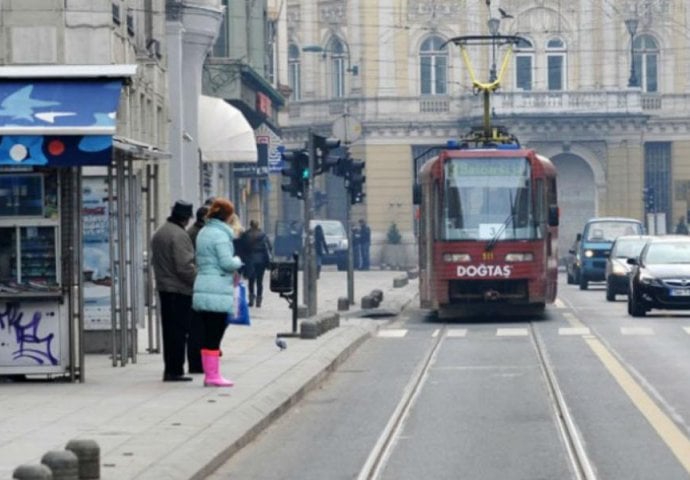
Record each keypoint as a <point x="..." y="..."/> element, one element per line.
<point x="194" y="343"/>
<point x="176" y="311"/>
<point x="256" y="281"/>
<point x="214" y="328"/>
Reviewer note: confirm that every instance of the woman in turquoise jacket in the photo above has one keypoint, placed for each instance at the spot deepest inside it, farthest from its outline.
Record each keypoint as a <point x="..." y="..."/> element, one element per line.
<point x="214" y="288"/>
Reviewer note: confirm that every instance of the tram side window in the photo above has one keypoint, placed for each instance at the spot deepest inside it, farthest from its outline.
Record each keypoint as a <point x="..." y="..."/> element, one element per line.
<point x="540" y="207"/>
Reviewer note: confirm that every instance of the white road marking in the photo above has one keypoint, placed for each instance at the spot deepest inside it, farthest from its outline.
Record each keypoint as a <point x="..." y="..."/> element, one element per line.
<point x="573" y="331"/>
<point x="390" y="333"/>
<point x="456" y="332"/>
<point x="511" y="332"/>
<point x="435" y="334"/>
<point x="687" y="330"/>
<point x="636" y="331"/>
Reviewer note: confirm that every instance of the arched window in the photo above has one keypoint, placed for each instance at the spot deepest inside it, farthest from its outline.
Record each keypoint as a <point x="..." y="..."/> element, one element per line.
<point x="294" y="73"/>
<point x="645" y="63"/>
<point x="555" y="64"/>
<point x="433" y="61"/>
<point x="524" y="62"/>
<point x="338" y="67"/>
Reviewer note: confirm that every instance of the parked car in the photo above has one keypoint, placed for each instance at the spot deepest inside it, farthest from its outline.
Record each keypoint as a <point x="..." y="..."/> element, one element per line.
<point x="572" y="262"/>
<point x="597" y="237"/>
<point x="617" y="267"/>
<point x="661" y="276"/>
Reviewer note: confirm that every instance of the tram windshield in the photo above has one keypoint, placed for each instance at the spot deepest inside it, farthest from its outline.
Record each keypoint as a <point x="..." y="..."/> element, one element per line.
<point x="488" y="199"/>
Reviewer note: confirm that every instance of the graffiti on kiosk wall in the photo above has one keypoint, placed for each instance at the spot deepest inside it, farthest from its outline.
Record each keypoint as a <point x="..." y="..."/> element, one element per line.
<point x="28" y="334"/>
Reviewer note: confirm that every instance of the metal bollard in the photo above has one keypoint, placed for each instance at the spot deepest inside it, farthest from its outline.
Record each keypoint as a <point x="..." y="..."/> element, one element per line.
<point x="32" y="472"/>
<point x="88" y="452"/>
<point x="63" y="463"/>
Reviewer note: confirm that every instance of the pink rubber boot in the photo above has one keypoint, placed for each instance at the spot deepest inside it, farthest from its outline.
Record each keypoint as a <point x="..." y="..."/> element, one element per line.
<point x="210" y="359"/>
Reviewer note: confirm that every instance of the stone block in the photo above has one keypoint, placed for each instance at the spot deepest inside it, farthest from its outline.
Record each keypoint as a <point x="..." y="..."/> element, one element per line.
<point x="400" y="281"/>
<point x="343" y="304"/>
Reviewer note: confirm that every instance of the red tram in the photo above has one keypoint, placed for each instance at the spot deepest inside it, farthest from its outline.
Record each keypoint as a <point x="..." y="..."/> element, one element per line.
<point x="488" y="230"/>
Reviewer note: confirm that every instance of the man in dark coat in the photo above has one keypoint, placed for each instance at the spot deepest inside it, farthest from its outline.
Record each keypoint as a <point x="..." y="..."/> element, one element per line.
<point x="172" y="258"/>
<point x="364" y="244"/>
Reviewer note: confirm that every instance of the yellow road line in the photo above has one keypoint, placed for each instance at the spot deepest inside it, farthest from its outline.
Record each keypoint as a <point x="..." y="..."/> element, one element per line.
<point x="672" y="436"/>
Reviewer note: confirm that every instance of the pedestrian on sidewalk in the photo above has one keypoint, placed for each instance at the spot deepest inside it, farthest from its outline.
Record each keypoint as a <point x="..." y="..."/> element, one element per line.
<point x="320" y="248"/>
<point x="172" y="258"/>
<point x="364" y="244"/>
<point x="196" y="326"/>
<point x="259" y="252"/>
<point x="214" y="286"/>
<point x="239" y="242"/>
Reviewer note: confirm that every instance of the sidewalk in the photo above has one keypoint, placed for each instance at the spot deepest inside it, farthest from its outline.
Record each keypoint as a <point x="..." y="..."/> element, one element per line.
<point x="147" y="429"/>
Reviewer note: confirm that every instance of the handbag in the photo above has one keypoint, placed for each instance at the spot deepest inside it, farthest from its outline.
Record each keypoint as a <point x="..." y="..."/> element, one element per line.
<point x="240" y="313"/>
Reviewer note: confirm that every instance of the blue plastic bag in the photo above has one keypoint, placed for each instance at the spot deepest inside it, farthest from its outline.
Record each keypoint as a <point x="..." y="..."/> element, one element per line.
<point x="240" y="315"/>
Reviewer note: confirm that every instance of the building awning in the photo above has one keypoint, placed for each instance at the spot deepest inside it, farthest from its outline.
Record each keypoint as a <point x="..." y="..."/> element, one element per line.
<point x="59" y="115"/>
<point x="224" y="133"/>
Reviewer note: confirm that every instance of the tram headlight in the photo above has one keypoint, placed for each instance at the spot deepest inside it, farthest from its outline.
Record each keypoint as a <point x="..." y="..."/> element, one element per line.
<point x="456" y="257"/>
<point x="519" y="257"/>
<point x="589" y="253"/>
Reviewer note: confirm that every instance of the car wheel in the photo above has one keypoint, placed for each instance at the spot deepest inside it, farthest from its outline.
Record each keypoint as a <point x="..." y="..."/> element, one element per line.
<point x="576" y="277"/>
<point x="610" y="294"/>
<point x="583" y="282"/>
<point x="635" y="308"/>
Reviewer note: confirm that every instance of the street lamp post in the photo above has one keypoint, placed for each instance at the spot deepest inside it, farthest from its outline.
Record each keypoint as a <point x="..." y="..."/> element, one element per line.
<point x="631" y="25"/>
<point x="494" y="24"/>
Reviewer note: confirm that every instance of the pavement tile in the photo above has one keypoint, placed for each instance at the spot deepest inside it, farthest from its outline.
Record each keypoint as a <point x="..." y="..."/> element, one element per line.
<point x="148" y="429"/>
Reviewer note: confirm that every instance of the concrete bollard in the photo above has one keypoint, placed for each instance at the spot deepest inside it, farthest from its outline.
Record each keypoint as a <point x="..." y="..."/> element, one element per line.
<point x="308" y="329"/>
<point x="343" y="304"/>
<point x="32" y="472"/>
<point x="302" y="311"/>
<point x="63" y="463"/>
<point x="413" y="274"/>
<point x="399" y="282"/>
<point x="377" y="295"/>
<point x="88" y="453"/>
<point x="368" y="302"/>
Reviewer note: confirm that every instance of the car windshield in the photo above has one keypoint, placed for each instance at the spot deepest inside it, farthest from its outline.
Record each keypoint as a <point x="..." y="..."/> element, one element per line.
<point x="609" y="230"/>
<point x="333" y="229"/>
<point x="628" y="248"/>
<point x="667" y="253"/>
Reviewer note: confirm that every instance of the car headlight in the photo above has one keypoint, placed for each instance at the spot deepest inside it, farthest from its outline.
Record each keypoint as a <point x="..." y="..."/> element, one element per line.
<point x="619" y="269"/>
<point x="456" y="257"/>
<point x="343" y="244"/>
<point x="648" y="279"/>
<point x="519" y="257"/>
<point x="589" y="253"/>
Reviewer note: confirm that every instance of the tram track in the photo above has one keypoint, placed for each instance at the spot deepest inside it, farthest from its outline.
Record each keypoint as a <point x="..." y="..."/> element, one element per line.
<point x="577" y="457"/>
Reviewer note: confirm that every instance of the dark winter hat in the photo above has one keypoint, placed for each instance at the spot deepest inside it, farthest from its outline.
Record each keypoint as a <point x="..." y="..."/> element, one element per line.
<point x="182" y="209"/>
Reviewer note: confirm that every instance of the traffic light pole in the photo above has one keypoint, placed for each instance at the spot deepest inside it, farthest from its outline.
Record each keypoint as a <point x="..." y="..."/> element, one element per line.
<point x="350" y="254"/>
<point x="309" y="277"/>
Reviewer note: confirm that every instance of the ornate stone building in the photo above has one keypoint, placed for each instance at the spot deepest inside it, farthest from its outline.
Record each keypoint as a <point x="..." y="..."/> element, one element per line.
<point x="568" y="91"/>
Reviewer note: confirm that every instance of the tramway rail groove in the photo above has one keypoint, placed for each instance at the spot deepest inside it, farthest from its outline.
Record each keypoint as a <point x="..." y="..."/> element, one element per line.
<point x="378" y="457"/>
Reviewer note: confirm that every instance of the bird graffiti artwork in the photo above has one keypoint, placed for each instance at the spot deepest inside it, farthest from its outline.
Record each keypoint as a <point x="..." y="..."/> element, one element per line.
<point x="504" y="14"/>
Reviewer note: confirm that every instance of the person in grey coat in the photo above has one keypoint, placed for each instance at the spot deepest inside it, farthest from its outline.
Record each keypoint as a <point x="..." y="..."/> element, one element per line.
<point x="214" y="286"/>
<point x="172" y="258"/>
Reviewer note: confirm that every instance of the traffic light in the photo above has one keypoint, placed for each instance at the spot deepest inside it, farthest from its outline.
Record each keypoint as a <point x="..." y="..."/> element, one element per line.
<point x="323" y="146"/>
<point x="344" y="164"/>
<point x="296" y="168"/>
<point x="355" y="182"/>
<point x="649" y="196"/>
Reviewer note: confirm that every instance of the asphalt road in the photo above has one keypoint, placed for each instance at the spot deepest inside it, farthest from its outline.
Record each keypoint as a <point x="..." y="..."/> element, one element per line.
<point x="584" y="392"/>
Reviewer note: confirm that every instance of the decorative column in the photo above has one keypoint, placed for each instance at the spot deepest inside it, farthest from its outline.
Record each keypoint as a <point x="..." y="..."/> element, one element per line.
<point x="192" y="28"/>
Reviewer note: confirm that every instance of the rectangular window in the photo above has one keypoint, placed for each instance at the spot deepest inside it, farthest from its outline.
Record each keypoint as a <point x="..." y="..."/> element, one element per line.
<point x="440" y="77"/>
<point x="651" y="73"/>
<point x="555" y="72"/>
<point x="425" y="77"/>
<point x="657" y="177"/>
<point x="637" y="63"/>
<point x="523" y="72"/>
<point x="294" y="80"/>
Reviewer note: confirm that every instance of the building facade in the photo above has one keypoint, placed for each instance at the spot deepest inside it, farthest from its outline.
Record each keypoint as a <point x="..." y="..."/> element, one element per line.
<point x="613" y="132"/>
